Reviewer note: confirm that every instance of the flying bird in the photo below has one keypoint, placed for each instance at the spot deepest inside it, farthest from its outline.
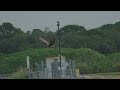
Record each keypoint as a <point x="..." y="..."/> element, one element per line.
<point x="49" y="44"/>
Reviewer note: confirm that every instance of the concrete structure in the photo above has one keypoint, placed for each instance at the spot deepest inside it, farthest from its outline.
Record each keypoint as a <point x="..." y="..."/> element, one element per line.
<point x="50" y="68"/>
<point x="53" y="64"/>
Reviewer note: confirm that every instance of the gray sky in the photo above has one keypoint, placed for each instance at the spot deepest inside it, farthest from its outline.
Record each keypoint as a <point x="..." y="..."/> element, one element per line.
<point x="28" y="20"/>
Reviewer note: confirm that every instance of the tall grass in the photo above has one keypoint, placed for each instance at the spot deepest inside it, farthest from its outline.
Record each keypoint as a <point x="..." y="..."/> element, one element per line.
<point x="20" y="74"/>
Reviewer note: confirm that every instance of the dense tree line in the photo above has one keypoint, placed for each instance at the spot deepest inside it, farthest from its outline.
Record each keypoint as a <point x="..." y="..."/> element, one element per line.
<point x="14" y="39"/>
<point x="104" y="39"/>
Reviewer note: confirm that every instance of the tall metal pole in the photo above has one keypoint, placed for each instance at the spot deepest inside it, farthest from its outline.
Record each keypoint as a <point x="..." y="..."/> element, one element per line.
<point x="28" y="63"/>
<point x="59" y="42"/>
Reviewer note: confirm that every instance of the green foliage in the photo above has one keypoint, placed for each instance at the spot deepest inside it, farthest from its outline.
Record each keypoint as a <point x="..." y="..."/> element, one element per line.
<point x="95" y="50"/>
<point x="86" y="59"/>
<point x="104" y="39"/>
<point x="72" y="28"/>
<point x="20" y="74"/>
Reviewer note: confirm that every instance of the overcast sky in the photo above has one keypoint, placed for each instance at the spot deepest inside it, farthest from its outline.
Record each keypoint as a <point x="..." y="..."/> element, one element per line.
<point x="28" y="20"/>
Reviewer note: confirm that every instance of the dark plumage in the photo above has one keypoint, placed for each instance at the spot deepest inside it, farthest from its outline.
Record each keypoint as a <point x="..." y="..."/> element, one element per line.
<point x="49" y="44"/>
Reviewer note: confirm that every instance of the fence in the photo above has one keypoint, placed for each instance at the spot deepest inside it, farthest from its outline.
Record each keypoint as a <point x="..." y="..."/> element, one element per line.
<point x="40" y="70"/>
<point x="54" y="74"/>
<point x="5" y="76"/>
<point x="64" y="74"/>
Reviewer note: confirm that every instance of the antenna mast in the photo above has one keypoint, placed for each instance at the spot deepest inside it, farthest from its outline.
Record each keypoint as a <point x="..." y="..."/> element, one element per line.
<point x="59" y="42"/>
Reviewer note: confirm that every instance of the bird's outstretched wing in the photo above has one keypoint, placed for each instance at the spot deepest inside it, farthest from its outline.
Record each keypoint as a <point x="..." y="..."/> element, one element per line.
<point x="52" y="42"/>
<point x="43" y="40"/>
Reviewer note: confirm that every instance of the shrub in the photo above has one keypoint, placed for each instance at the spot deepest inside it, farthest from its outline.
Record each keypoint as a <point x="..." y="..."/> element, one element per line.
<point x="20" y="74"/>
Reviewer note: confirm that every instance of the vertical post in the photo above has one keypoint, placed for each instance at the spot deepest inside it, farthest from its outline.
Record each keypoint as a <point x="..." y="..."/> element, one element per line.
<point x="28" y="63"/>
<point x="42" y="69"/>
<point x="42" y="65"/>
<point x="70" y="62"/>
<point x="28" y="68"/>
<point x="73" y="68"/>
<point x="59" y="42"/>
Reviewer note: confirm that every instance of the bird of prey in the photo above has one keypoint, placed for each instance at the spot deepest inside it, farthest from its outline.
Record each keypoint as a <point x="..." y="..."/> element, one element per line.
<point x="49" y="44"/>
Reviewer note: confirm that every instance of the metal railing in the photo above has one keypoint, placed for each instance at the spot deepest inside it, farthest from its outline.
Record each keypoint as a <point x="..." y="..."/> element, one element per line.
<point x="5" y="76"/>
<point x="54" y="74"/>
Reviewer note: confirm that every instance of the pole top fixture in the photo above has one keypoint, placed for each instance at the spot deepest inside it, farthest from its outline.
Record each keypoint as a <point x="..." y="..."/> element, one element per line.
<point x="58" y="23"/>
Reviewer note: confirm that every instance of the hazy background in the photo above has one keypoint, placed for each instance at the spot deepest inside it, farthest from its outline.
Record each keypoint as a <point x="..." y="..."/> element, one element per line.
<point x="28" y="20"/>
